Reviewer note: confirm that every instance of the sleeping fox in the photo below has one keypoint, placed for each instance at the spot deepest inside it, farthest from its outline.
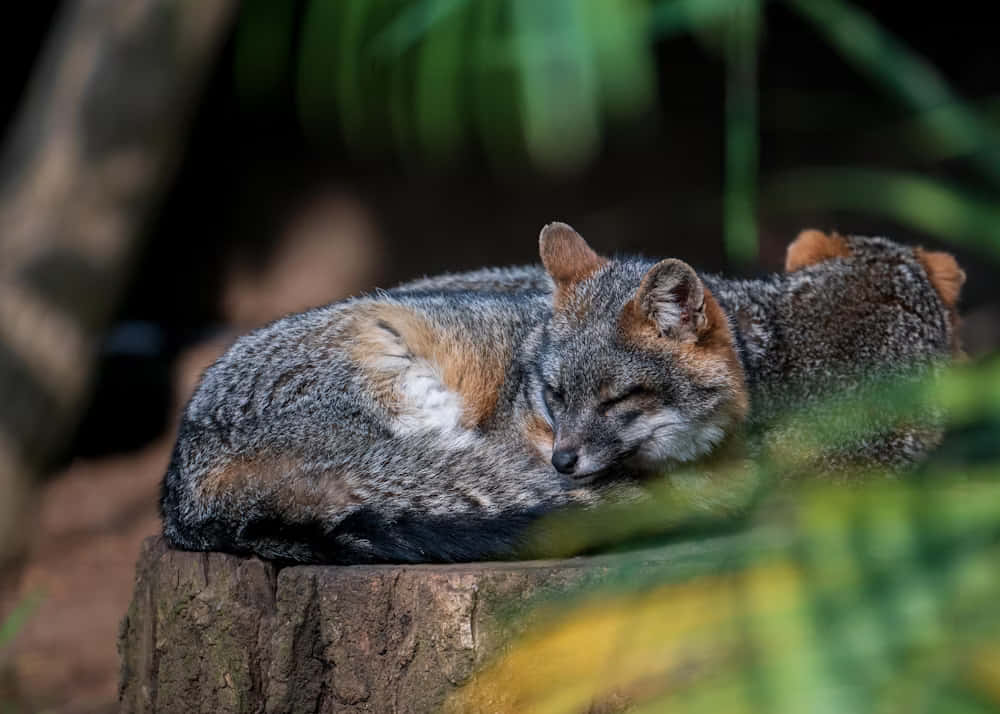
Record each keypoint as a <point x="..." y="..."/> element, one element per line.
<point x="435" y="422"/>
<point x="849" y="312"/>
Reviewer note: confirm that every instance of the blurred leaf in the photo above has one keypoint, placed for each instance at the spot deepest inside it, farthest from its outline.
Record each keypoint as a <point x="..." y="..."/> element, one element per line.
<point x="625" y="70"/>
<point x="705" y="500"/>
<point x="740" y="203"/>
<point x="318" y="94"/>
<point x="903" y="73"/>
<point x="968" y="392"/>
<point x="676" y="16"/>
<point x="925" y="138"/>
<point x="956" y="396"/>
<point x="263" y="51"/>
<point x="537" y="80"/>
<point x="813" y="112"/>
<point x="412" y="24"/>
<point x="16" y="618"/>
<point x="874" y="602"/>
<point x="496" y="86"/>
<point x="925" y="204"/>
<point x="558" y="83"/>
<point x="872" y="598"/>
<point x="441" y="109"/>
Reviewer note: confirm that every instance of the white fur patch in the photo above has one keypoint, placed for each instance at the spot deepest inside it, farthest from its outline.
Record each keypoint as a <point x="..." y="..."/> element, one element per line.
<point x="424" y="403"/>
<point x="427" y="405"/>
<point x="671" y="437"/>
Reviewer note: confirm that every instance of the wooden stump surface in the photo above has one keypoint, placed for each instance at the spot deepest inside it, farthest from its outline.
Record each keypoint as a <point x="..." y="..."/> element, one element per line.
<point x="210" y="632"/>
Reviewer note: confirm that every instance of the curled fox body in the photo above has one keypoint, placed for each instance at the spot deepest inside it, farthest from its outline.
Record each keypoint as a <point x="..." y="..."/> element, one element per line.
<point x="848" y="313"/>
<point x="435" y="423"/>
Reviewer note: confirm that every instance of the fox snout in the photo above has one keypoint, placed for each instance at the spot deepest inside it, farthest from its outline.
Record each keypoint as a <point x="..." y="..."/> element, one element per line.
<point x="565" y="460"/>
<point x="578" y="459"/>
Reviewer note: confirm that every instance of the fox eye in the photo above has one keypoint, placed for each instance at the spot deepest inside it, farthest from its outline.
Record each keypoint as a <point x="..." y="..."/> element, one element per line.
<point x="629" y="417"/>
<point x="633" y="391"/>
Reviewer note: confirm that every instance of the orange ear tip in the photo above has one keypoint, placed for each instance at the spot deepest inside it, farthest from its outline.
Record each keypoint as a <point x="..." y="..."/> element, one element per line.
<point x="556" y="226"/>
<point x="944" y="274"/>
<point x="566" y="255"/>
<point x="813" y="246"/>
<point x="811" y="234"/>
<point x="553" y="232"/>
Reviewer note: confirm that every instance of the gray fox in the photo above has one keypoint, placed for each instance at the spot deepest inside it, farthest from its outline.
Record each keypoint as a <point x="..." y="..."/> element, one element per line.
<point x="430" y="425"/>
<point x="849" y="312"/>
<point x="435" y="421"/>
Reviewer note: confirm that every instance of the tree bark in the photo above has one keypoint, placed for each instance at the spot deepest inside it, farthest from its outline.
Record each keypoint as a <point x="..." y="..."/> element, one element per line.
<point x="209" y="632"/>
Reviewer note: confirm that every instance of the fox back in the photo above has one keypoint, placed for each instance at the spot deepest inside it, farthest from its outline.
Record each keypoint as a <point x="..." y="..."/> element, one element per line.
<point x="422" y="425"/>
<point x="851" y="316"/>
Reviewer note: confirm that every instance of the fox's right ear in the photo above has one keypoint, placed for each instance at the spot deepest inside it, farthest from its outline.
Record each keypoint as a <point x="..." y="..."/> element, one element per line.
<point x="672" y="297"/>
<point x="567" y="257"/>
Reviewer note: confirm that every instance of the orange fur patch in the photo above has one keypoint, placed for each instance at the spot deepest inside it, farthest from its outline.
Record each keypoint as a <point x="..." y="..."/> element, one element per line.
<point x="538" y="432"/>
<point x="567" y="258"/>
<point x="812" y="246"/>
<point x="710" y="356"/>
<point x="302" y="492"/>
<point x="385" y="333"/>
<point x="947" y="278"/>
<point x="943" y="272"/>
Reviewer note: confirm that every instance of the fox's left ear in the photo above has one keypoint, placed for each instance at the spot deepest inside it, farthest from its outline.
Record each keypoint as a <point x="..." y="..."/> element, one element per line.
<point x="567" y="257"/>
<point x="672" y="297"/>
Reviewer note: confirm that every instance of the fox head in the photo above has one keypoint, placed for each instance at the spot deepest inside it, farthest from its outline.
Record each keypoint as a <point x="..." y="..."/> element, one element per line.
<point x="637" y="365"/>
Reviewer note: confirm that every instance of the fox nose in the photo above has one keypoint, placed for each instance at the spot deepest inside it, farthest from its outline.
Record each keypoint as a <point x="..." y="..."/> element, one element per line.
<point x="564" y="460"/>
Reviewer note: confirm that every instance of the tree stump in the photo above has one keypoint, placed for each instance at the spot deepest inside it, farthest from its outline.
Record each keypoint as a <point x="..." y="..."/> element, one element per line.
<point x="209" y="632"/>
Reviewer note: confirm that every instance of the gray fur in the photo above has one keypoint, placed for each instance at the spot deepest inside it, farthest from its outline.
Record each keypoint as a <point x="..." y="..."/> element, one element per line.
<point x="340" y="476"/>
<point x="828" y="332"/>
<point x="518" y="278"/>
<point x="821" y="330"/>
<point x="681" y="416"/>
<point x="353" y="482"/>
<point x="290" y="389"/>
<point x="833" y="332"/>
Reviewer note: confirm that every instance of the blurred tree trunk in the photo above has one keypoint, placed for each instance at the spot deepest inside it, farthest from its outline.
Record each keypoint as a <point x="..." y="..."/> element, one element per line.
<point x="91" y="152"/>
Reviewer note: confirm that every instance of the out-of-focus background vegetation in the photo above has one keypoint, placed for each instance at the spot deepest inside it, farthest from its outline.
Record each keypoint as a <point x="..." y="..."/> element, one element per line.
<point x="328" y="147"/>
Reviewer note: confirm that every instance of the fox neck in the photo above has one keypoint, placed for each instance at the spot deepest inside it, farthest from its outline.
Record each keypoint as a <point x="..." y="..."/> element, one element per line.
<point x="753" y="310"/>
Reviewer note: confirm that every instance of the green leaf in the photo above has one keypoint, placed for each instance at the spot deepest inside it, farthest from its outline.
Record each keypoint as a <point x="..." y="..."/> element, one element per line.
<point x="952" y="213"/>
<point x="905" y="74"/>
<point x="16" y="618"/>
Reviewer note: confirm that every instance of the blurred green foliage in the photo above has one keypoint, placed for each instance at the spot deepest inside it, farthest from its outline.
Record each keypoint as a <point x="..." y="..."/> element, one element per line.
<point x="15" y="620"/>
<point x="961" y="216"/>
<point x="424" y="78"/>
<point x="875" y="599"/>
<point x="539" y="84"/>
<point x="877" y="595"/>
<point x="12" y="624"/>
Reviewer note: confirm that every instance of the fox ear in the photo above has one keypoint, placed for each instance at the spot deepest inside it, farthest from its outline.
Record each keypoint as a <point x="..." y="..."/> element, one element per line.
<point x="943" y="272"/>
<point x="812" y="246"/>
<point x="672" y="296"/>
<point x="566" y="256"/>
